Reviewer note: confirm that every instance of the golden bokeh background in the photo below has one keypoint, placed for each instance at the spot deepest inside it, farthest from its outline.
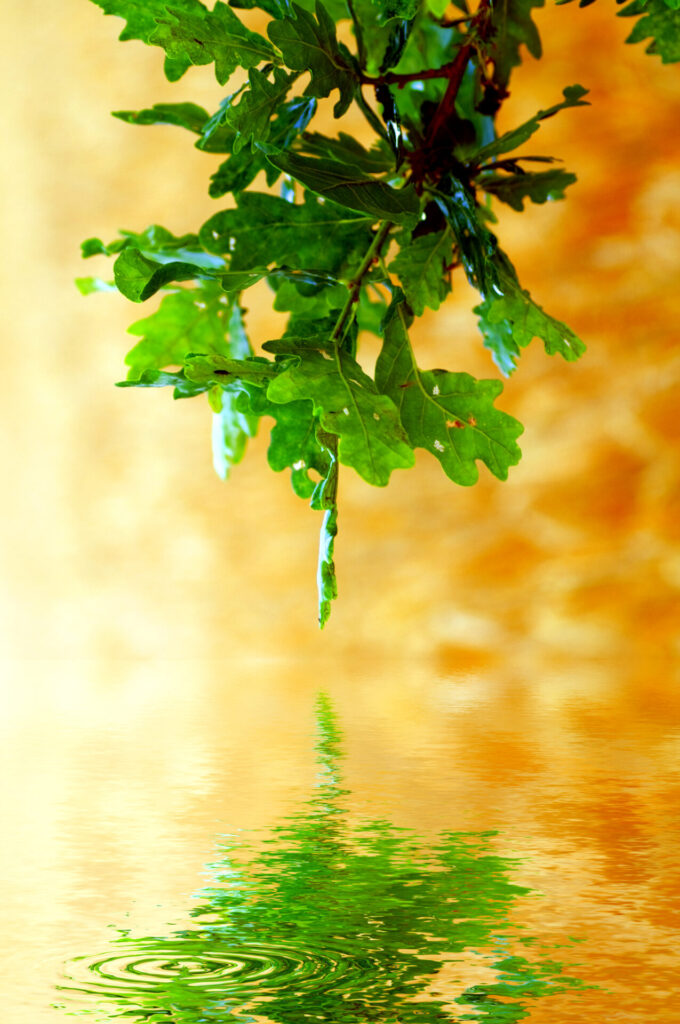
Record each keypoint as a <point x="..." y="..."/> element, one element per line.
<point x="501" y="655"/>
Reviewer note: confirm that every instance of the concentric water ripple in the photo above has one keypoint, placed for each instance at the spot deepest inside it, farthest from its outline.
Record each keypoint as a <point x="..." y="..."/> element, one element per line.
<point x="242" y="972"/>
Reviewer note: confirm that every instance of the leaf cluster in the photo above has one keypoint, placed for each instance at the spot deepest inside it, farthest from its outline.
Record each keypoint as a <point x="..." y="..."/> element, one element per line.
<point x="350" y="236"/>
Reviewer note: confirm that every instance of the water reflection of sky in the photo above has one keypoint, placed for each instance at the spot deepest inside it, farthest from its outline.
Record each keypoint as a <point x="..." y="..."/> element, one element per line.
<point x="337" y="918"/>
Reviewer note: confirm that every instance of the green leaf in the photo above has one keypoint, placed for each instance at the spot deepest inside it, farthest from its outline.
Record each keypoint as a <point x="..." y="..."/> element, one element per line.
<point x="89" y="285"/>
<point x="476" y="244"/>
<point x="325" y="498"/>
<point x="421" y="267"/>
<point x="310" y="44"/>
<point x="304" y="333"/>
<point x="277" y="8"/>
<point x="95" y="247"/>
<point x="251" y="118"/>
<point x="184" y="115"/>
<point x="162" y="379"/>
<point x="326" y="580"/>
<point x="238" y="344"/>
<point x="539" y="187"/>
<point x="217" y="136"/>
<point x="379" y="159"/>
<point x="140" y="17"/>
<point x="236" y="173"/>
<point x="199" y="36"/>
<point x="157" y="243"/>
<point x="307" y="282"/>
<point x="292" y="119"/>
<point x="217" y="370"/>
<point x="232" y="426"/>
<point x="291" y="295"/>
<point x="371" y="311"/>
<point x="473" y="110"/>
<point x="344" y="185"/>
<point x="573" y="97"/>
<point x="512" y="26"/>
<point x="389" y="9"/>
<point x="233" y="421"/>
<point x="371" y="438"/>
<point x="265" y="229"/>
<point x="380" y="42"/>
<point x="299" y="346"/>
<point x="660" y="22"/>
<point x="437" y="7"/>
<point x="189" y="320"/>
<point x="293" y="444"/>
<point x="336" y="9"/>
<point x="452" y="415"/>
<point x="238" y="280"/>
<point x="138" y="278"/>
<point x="399" y="34"/>
<point x="214" y="136"/>
<point x="428" y="46"/>
<point x="509" y="319"/>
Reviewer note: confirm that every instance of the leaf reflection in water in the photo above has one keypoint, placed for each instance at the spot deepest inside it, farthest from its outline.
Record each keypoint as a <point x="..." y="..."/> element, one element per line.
<point x="334" y="920"/>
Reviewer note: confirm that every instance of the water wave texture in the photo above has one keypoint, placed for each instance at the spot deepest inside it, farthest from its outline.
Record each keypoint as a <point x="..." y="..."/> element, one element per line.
<point x="237" y="974"/>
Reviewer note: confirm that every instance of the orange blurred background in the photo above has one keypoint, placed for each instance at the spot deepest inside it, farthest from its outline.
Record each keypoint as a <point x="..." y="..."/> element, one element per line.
<point x="509" y="651"/>
<point x="118" y="538"/>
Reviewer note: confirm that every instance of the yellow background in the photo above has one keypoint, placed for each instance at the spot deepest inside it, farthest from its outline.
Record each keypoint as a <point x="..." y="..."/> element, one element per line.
<point x="503" y="654"/>
<point x="118" y="538"/>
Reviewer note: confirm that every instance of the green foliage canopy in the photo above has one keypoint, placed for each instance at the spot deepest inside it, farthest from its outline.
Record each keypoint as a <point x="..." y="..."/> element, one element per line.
<point x="360" y="237"/>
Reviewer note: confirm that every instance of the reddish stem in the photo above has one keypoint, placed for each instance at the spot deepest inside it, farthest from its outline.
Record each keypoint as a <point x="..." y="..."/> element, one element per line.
<point x="447" y="107"/>
<point x="393" y="78"/>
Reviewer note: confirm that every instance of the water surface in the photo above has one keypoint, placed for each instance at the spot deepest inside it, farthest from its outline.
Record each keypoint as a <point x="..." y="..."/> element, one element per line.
<point x="336" y="919"/>
<point x="115" y="813"/>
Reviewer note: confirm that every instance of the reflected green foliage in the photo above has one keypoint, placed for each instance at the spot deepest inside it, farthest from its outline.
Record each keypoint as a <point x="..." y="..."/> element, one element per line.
<point x="337" y="919"/>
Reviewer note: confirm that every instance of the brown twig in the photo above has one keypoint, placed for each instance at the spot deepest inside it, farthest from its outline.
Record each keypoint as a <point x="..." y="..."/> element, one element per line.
<point x="446" y="110"/>
<point x="447" y="106"/>
<point x="393" y="78"/>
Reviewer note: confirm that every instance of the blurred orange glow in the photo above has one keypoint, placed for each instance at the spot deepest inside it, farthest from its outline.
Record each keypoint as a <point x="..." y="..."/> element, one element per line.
<point x="524" y="634"/>
<point x="119" y="540"/>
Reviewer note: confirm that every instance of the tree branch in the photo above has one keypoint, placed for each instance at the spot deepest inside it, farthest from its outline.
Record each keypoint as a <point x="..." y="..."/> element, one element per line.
<point x="393" y="78"/>
<point x="447" y="106"/>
